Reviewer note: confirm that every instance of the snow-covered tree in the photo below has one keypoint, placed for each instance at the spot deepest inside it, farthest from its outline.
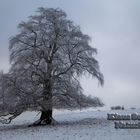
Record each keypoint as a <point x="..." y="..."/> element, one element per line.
<point x="47" y="56"/>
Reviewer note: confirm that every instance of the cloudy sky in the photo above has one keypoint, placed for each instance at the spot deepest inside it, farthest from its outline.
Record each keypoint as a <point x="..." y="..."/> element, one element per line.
<point x="114" y="26"/>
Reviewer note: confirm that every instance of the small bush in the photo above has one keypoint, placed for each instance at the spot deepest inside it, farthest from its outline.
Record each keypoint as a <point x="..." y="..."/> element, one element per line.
<point x="117" y="108"/>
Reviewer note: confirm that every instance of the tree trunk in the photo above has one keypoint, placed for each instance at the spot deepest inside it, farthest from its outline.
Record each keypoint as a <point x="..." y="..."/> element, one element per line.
<point x="46" y="117"/>
<point x="46" y="113"/>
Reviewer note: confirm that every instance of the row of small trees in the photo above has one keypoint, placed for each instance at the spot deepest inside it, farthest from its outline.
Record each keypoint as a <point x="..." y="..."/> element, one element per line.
<point x="47" y="56"/>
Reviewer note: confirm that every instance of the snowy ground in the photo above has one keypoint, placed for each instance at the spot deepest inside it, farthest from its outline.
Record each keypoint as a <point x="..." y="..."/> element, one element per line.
<point x="71" y="125"/>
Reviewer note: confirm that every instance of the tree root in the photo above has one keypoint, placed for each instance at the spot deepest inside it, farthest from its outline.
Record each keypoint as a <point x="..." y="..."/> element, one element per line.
<point x="44" y="122"/>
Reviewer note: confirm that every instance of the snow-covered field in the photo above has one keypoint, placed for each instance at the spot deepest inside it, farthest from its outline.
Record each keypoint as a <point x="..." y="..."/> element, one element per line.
<point x="71" y="125"/>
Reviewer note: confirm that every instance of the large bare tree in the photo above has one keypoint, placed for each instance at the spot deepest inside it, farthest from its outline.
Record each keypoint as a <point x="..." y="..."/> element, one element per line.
<point x="48" y="55"/>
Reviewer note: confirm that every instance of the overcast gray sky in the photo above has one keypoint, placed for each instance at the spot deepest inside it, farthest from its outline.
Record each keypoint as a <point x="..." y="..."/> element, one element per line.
<point x="114" y="26"/>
